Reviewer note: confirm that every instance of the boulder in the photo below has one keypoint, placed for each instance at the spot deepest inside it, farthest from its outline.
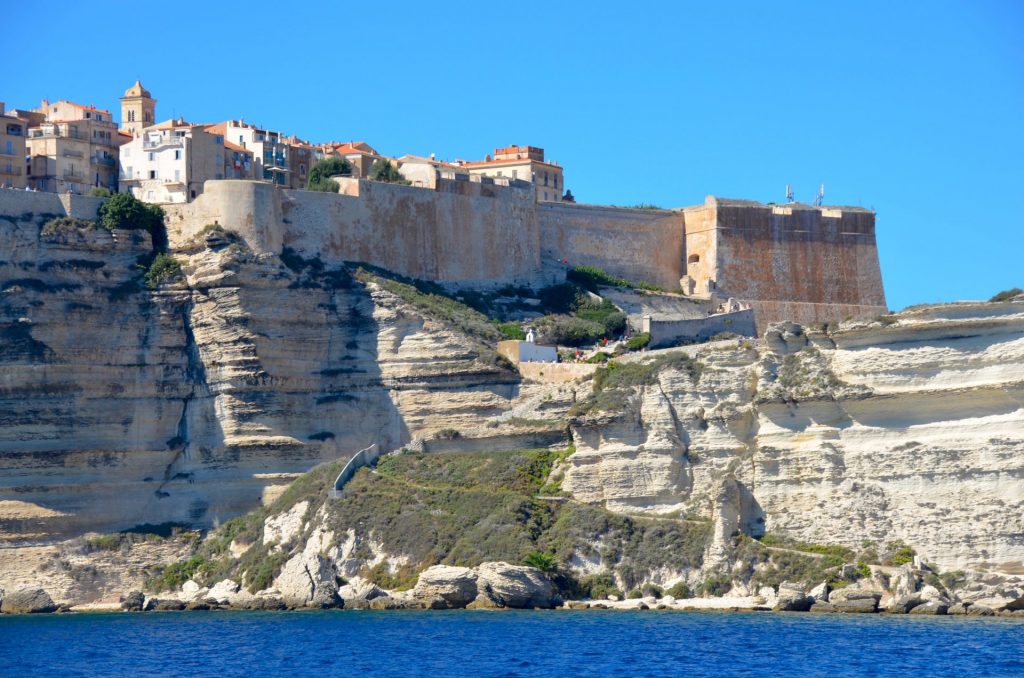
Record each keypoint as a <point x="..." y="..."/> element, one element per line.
<point x="576" y="605"/>
<point x="193" y="591"/>
<point x="396" y="603"/>
<point x="980" y="611"/>
<point x="360" y="589"/>
<point x="854" y="600"/>
<point x="325" y="596"/>
<point x="930" y="594"/>
<point x="904" y="604"/>
<point x="27" y="601"/>
<point x="482" y="602"/>
<point x="668" y="600"/>
<point x="820" y="592"/>
<point x="959" y="608"/>
<point x="197" y="605"/>
<point x="265" y="603"/>
<point x="823" y="606"/>
<point x="456" y="586"/>
<point x="905" y="581"/>
<point x="164" y="604"/>
<point x="223" y="590"/>
<point x="516" y="586"/>
<point x="133" y="601"/>
<point x="931" y="607"/>
<point x="792" y="598"/>
<point x="306" y="579"/>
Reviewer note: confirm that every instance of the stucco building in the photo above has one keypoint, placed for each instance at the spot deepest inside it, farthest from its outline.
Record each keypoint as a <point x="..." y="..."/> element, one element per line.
<point x="361" y="154"/>
<point x="282" y="160"/>
<point x="526" y="163"/>
<point x="71" y="148"/>
<point x="171" y="161"/>
<point x="12" y="150"/>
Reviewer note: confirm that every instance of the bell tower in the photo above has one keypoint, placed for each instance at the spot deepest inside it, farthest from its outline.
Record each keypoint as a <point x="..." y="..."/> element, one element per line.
<point x="138" y="109"/>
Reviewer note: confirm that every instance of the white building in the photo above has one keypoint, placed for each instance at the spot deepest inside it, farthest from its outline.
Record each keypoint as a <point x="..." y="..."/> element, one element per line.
<point x="170" y="162"/>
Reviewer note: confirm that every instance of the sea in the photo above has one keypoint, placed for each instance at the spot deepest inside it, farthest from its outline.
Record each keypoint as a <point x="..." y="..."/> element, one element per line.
<point x="534" y="644"/>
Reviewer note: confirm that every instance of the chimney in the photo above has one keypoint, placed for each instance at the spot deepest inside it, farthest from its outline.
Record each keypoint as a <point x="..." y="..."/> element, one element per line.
<point x="1" y="108"/>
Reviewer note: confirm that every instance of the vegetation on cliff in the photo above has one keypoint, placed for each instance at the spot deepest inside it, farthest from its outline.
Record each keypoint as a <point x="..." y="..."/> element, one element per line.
<point x="383" y="170"/>
<point x="1007" y="295"/>
<point x="125" y="211"/>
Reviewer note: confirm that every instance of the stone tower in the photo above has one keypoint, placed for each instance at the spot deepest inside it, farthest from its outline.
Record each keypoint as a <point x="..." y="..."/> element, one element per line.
<point x="138" y="109"/>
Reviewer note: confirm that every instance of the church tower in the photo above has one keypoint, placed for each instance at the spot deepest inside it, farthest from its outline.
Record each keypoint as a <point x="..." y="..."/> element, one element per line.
<point x="138" y="109"/>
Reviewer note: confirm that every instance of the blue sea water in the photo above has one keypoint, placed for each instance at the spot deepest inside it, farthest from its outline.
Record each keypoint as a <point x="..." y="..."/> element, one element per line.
<point x="533" y="644"/>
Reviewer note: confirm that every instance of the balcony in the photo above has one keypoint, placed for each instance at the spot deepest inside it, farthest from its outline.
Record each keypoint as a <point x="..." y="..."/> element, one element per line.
<point x="73" y="175"/>
<point x="166" y="142"/>
<point x="107" y="161"/>
<point x="67" y="153"/>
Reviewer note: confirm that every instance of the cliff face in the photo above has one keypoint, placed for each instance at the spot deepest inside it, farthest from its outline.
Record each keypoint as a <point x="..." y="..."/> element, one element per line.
<point x="125" y="406"/>
<point x="908" y="428"/>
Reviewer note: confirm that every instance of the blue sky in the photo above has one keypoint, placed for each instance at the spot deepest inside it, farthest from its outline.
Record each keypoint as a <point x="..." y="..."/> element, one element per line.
<point x="914" y="109"/>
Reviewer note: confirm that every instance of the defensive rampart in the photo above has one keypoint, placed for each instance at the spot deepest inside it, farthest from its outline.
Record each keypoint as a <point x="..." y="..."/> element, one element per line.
<point x="667" y="332"/>
<point x="636" y="244"/>
<point x="788" y="262"/>
<point x="14" y="204"/>
<point x="467" y="232"/>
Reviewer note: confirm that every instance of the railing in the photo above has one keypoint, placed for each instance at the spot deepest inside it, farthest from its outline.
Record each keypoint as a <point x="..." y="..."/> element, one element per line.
<point x="107" y="161"/>
<point x="170" y="141"/>
<point x="73" y="176"/>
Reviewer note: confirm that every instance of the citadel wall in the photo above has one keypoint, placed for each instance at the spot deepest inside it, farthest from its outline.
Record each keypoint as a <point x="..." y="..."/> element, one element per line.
<point x="467" y="232"/>
<point x="639" y="245"/>
<point x="789" y="262"/>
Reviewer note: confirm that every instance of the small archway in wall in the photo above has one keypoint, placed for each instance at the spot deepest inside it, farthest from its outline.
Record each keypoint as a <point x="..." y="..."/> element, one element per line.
<point x="693" y="259"/>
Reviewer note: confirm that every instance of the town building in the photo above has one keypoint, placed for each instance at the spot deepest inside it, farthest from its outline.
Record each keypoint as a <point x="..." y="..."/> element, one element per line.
<point x="282" y="160"/>
<point x="526" y="163"/>
<point x="170" y="162"/>
<point x="12" y="150"/>
<point x="361" y="154"/>
<point x="71" y="148"/>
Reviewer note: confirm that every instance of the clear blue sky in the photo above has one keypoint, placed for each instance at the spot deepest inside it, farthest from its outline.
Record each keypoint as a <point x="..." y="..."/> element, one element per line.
<point x="914" y="109"/>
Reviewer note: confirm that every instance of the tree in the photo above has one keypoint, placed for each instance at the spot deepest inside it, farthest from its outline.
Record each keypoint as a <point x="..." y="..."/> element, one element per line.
<point x="124" y="211"/>
<point x="321" y="173"/>
<point x="383" y="170"/>
<point x="100" y="192"/>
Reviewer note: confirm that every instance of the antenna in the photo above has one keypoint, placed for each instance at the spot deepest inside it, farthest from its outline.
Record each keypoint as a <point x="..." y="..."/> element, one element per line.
<point x="789" y="193"/>
<point x="820" y="198"/>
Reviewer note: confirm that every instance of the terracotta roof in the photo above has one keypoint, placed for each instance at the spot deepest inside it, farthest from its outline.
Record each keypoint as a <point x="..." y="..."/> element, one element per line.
<point x="353" y="148"/>
<point x="219" y="128"/>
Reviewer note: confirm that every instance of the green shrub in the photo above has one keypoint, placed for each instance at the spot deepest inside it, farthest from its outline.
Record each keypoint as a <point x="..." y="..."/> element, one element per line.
<point x="639" y="341"/>
<point x="652" y="590"/>
<point x="164" y="268"/>
<point x="262" y="576"/>
<point x="383" y="170"/>
<point x="174" y="575"/>
<point x="598" y="358"/>
<point x="591" y="277"/>
<point x="67" y="225"/>
<point x="635" y="593"/>
<point x="598" y="586"/>
<point x="545" y="562"/>
<point x="898" y="553"/>
<point x="320" y="174"/>
<point x="100" y="192"/>
<point x="715" y="585"/>
<point x="1006" y="295"/>
<point x="124" y="211"/>
<point x="679" y="590"/>
<point x="105" y="542"/>
<point x="511" y="331"/>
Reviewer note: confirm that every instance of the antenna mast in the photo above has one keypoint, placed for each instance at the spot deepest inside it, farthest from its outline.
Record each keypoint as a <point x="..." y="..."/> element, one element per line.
<point x="820" y="198"/>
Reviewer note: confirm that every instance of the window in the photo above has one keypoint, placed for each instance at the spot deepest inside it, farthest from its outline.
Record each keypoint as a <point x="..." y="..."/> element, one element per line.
<point x="148" y="117"/>
<point x="302" y="170"/>
<point x="99" y="117"/>
<point x="177" y="155"/>
<point x="545" y="195"/>
<point x="693" y="259"/>
<point x="152" y="174"/>
<point x="152" y="156"/>
<point x="10" y="148"/>
<point x="556" y="181"/>
<point x="131" y="116"/>
<point x="128" y="172"/>
<point x="545" y="177"/>
<point x="515" y="174"/>
<point x="177" y="175"/>
<point x="499" y="173"/>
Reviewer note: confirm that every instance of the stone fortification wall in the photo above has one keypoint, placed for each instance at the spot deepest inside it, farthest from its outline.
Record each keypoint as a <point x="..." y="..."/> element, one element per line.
<point x="666" y="332"/>
<point x="31" y="204"/>
<point x="635" y="244"/>
<point x="789" y="262"/>
<point x="467" y="232"/>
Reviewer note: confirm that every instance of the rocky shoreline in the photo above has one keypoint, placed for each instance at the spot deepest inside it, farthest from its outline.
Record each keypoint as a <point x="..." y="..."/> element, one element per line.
<point x="499" y="585"/>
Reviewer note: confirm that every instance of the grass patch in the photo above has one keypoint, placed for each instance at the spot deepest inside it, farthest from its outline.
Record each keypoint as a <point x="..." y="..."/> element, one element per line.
<point x="615" y="383"/>
<point x="592" y="277"/>
<point x="1007" y="295"/>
